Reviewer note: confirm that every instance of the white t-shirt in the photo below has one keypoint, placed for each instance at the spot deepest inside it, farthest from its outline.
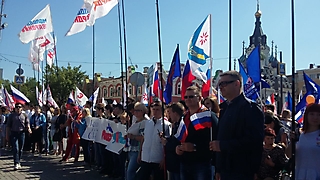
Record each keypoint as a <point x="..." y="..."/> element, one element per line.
<point x="152" y="149"/>
<point x="308" y="156"/>
<point x="134" y="118"/>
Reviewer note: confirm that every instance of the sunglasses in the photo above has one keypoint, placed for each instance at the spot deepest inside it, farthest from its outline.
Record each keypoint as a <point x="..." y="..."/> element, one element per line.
<point x="190" y="97"/>
<point x="225" y="83"/>
<point x="137" y="110"/>
<point x="18" y="106"/>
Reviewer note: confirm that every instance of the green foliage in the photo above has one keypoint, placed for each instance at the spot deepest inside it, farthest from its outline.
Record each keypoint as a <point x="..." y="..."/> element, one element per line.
<point x="6" y="83"/>
<point x="63" y="80"/>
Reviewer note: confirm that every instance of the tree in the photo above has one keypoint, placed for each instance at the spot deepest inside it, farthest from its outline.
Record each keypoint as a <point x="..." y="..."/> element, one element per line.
<point x="63" y="80"/>
<point x="6" y="83"/>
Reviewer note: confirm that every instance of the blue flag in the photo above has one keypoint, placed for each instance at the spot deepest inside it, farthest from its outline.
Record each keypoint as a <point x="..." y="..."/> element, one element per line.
<point x="253" y="65"/>
<point x="264" y="84"/>
<point x="175" y="71"/>
<point x="249" y="89"/>
<point x="311" y="87"/>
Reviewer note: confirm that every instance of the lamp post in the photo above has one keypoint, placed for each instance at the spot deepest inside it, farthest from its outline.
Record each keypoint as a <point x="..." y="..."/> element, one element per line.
<point x="2" y="25"/>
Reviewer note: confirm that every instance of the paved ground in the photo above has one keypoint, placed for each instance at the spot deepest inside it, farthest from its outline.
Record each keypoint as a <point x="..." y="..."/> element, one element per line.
<point x="45" y="167"/>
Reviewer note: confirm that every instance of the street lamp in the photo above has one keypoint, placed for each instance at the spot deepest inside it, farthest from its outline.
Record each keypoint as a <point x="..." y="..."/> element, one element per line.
<point x="3" y="25"/>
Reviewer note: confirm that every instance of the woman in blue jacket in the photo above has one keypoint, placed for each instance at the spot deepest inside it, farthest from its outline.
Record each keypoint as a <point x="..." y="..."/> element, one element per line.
<point x="37" y="123"/>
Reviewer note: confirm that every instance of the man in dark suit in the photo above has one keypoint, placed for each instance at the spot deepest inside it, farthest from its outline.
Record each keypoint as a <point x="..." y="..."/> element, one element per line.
<point x="240" y="132"/>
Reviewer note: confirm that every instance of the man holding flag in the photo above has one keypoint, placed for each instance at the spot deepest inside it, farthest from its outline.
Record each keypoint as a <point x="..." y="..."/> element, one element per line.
<point x="200" y="126"/>
<point x="240" y="136"/>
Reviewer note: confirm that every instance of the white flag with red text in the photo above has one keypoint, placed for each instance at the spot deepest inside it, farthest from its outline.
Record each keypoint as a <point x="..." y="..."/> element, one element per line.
<point x="98" y="8"/>
<point x="81" y="98"/>
<point x="51" y="101"/>
<point x="39" y="26"/>
<point x="39" y="46"/>
<point x="80" y="22"/>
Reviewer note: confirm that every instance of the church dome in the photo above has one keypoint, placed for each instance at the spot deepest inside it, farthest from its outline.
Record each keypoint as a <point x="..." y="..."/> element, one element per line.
<point x="258" y="14"/>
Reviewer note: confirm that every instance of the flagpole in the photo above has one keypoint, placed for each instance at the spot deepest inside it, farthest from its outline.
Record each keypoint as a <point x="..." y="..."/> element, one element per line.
<point x="34" y="73"/>
<point x="210" y="55"/>
<point x="93" y="57"/>
<point x="125" y="44"/>
<point x="230" y="34"/>
<point x="293" y="126"/>
<point x="281" y="87"/>
<point x="46" y="75"/>
<point x="55" y="52"/>
<point x="160" y="60"/>
<point x="42" y="79"/>
<point x="38" y="67"/>
<point x="121" y="55"/>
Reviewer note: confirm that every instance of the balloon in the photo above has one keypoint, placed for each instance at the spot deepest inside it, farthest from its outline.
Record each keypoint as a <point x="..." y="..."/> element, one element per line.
<point x="310" y="99"/>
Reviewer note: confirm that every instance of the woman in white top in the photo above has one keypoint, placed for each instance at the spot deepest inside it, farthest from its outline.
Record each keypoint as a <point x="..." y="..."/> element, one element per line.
<point x="308" y="146"/>
<point x="135" y="133"/>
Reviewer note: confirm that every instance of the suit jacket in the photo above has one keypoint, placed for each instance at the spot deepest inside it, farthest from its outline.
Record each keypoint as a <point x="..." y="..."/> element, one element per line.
<point x="241" y="133"/>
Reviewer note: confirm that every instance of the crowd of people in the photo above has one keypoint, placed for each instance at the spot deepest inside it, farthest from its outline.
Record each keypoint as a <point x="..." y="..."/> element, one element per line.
<point x="237" y="139"/>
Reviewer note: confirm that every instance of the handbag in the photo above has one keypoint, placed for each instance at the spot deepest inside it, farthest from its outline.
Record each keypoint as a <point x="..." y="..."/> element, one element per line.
<point x="57" y="136"/>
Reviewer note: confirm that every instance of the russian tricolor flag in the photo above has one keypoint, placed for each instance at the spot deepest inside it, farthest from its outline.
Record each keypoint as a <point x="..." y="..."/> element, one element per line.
<point x="187" y="79"/>
<point x="156" y="87"/>
<point x="71" y="98"/>
<point x="220" y="97"/>
<point x="18" y="96"/>
<point x="271" y="100"/>
<point x="182" y="132"/>
<point x="206" y="86"/>
<point x="201" y="120"/>
<point x="299" y="116"/>
<point x="8" y="99"/>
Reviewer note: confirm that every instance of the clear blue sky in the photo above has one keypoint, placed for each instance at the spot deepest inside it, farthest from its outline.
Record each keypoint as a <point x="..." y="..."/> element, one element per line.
<point x="179" y="19"/>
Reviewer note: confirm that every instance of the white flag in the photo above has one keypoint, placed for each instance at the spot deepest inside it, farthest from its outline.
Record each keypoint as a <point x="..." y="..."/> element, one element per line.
<point x="51" y="101"/>
<point x="144" y="97"/>
<point x="80" y="22"/>
<point x="39" y="96"/>
<point x="50" y="45"/>
<point x="39" y="26"/>
<point x="44" y="95"/>
<point x="126" y="93"/>
<point x="93" y="98"/>
<point x="36" y="67"/>
<point x="51" y="53"/>
<point x="35" y="53"/>
<point x="98" y="8"/>
<point x="81" y="98"/>
<point x="2" y="96"/>
<point x="114" y="102"/>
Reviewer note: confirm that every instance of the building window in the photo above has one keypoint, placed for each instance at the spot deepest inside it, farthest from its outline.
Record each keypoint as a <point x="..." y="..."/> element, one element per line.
<point x="130" y="88"/>
<point x="118" y="91"/>
<point x="139" y="90"/>
<point x="111" y="92"/>
<point x="318" y="76"/>
<point x="105" y="92"/>
<point x="178" y="89"/>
